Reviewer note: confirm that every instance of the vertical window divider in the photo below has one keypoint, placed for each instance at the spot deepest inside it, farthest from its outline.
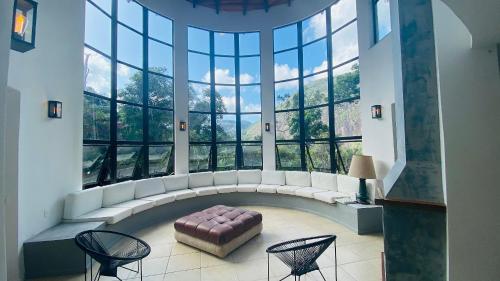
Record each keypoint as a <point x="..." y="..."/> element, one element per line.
<point x="301" y="97"/>
<point x="239" y="147"/>
<point x="145" y="94"/>
<point x="113" y="110"/>
<point x="213" y="114"/>
<point x="331" y="93"/>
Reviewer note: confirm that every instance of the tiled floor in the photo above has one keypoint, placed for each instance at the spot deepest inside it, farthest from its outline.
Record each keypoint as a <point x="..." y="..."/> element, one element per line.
<point x="358" y="256"/>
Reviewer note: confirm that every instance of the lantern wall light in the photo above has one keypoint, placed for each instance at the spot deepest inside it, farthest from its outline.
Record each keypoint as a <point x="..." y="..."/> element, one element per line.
<point x="55" y="109"/>
<point x="23" y="25"/>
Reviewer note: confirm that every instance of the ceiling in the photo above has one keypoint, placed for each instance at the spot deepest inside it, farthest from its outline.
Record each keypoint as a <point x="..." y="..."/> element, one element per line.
<point x="241" y="6"/>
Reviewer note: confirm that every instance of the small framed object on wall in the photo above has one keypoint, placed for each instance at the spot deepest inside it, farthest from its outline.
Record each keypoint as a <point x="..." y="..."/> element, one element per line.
<point x="376" y="111"/>
<point x="55" y="109"/>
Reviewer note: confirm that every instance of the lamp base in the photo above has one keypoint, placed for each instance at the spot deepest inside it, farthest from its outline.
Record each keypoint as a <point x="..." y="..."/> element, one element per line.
<point x="362" y="196"/>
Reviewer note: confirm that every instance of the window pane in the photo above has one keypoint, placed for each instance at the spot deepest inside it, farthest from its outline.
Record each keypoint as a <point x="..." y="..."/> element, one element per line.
<point x="199" y="67"/>
<point x="225" y="99"/>
<point x="226" y="157"/>
<point x="161" y="91"/>
<point x="224" y="43"/>
<point x="129" y="121"/>
<point x="160" y="160"/>
<point x="285" y="37"/>
<point x="129" y="46"/>
<point x="251" y="127"/>
<point x="318" y="156"/>
<point x="287" y="125"/>
<point x="314" y="27"/>
<point x="103" y="4"/>
<point x="200" y="127"/>
<point x="316" y="123"/>
<point x="129" y="84"/>
<point x="93" y="158"/>
<point x="288" y="157"/>
<point x="347" y="119"/>
<point x="315" y="57"/>
<point x="226" y="127"/>
<point x="347" y="150"/>
<point x="199" y="157"/>
<point x="316" y="90"/>
<point x="97" y="70"/>
<point x="161" y="123"/>
<point x="96" y="114"/>
<point x="286" y="95"/>
<point x="126" y="160"/>
<point x="97" y="29"/>
<point x="249" y="43"/>
<point x="224" y="70"/>
<point x="286" y="65"/>
<point x="249" y="70"/>
<point x="383" y="17"/>
<point x="198" y="40"/>
<point x="252" y="156"/>
<point x="159" y="27"/>
<point x="160" y="58"/>
<point x="199" y="97"/>
<point x="346" y="81"/>
<point x="250" y="99"/>
<point x="343" y="12"/>
<point x="345" y="44"/>
<point x="130" y="13"/>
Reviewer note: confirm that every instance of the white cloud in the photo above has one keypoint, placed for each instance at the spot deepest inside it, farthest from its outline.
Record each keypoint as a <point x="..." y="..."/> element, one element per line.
<point x="229" y="103"/>
<point x="223" y="76"/>
<point x="99" y="72"/>
<point x="343" y="12"/>
<point x="246" y="78"/>
<point x="284" y="71"/>
<point x="316" y="27"/>
<point x="321" y="67"/>
<point x="252" y="107"/>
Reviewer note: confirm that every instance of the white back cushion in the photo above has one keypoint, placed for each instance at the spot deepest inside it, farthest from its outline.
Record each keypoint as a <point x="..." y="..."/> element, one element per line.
<point x="225" y="177"/>
<point x="118" y="193"/>
<point x="347" y="184"/>
<point x="249" y="176"/>
<point x="201" y="179"/>
<point x="324" y="180"/>
<point x="176" y="182"/>
<point x="148" y="187"/>
<point x="298" y="178"/>
<point x="273" y="177"/>
<point x="82" y="202"/>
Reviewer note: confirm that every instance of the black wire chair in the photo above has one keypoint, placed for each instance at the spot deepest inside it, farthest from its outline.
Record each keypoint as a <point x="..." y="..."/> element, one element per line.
<point x="300" y="255"/>
<point x="111" y="250"/>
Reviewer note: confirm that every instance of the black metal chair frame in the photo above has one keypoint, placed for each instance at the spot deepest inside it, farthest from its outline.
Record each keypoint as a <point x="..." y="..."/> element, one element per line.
<point x="325" y="240"/>
<point x="122" y="261"/>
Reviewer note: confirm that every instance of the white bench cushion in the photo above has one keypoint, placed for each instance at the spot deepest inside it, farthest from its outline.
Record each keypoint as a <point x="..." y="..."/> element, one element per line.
<point x="137" y="205"/>
<point x="149" y="187"/>
<point x="347" y="184"/>
<point x="249" y="177"/>
<point x="273" y="177"/>
<point x="226" y="188"/>
<point x="109" y="215"/>
<point x="161" y="199"/>
<point x="308" y="192"/>
<point x="288" y="189"/>
<point x="330" y="196"/>
<point x="175" y="182"/>
<point x="205" y="190"/>
<point x="225" y="178"/>
<point x="201" y="179"/>
<point x="267" y="188"/>
<point x="118" y="193"/>
<point x="82" y="202"/>
<point x="183" y="194"/>
<point x="298" y="178"/>
<point x="324" y="180"/>
<point x="247" y="187"/>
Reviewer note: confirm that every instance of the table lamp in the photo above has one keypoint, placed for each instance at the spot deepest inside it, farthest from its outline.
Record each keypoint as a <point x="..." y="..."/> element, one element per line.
<point x="362" y="168"/>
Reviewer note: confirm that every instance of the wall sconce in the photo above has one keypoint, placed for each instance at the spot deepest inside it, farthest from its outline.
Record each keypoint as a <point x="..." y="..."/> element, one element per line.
<point x="376" y="111"/>
<point x="55" y="109"/>
<point x="268" y="127"/>
<point x="23" y="25"/>
<point x="182" y="126"/>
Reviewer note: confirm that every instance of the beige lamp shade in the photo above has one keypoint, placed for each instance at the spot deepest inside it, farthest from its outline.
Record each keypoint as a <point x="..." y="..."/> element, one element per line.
<point x="362" y="167"/>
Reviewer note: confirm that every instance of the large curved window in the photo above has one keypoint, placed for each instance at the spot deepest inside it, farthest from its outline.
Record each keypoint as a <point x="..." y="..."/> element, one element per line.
<point x="128" y="95"/>
<point x="224" y="100"/>
<point x="317" y="91"/>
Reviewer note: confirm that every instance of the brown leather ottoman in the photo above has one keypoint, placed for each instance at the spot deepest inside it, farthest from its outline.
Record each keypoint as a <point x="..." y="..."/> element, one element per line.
<point x="218" y="230"/>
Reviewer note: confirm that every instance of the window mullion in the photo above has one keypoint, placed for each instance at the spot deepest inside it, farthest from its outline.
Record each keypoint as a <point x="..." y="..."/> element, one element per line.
<point x="239" y="158"/>
<point x="301" y="98"/>
<point x="213" y="115"/>
<point x="145" y="95"/>
<point x="331" y="94"/>
<point x="113" y="113"/>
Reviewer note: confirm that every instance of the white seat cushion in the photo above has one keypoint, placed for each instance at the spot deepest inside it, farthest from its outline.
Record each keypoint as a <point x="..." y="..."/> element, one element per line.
<point x="82" y="202"/>
<point x="273" y="177"/>
<point x="183" y="194"/>
<point x="324" y="180"/>
<point x="225" y="178"/>
<point x="308" y="192"/>
<point x="267" y="188"/>
<point x="149" y="187"/>
<point x="226" y="188"/>
<point x="201" y="179"/>
<point x="298" y="178"/>
<point x="347" y="184"/>
<point x="118" y="193"/>
<point x="329" y="196"/>
<point x="137" y="205"/>
<point x="249" y="176"/>
<point x="109" y="215"/>
<point x="247" y="187"/>
<point x="161" y="199"/>
<point x="205" y="190"/>
<point x="175" y="182"/>
<point x="288" y="189"/>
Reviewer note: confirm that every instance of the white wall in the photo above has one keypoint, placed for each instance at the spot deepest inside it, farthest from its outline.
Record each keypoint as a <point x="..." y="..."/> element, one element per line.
<point x="50" y="149"/>
<point x="469" y="82"/>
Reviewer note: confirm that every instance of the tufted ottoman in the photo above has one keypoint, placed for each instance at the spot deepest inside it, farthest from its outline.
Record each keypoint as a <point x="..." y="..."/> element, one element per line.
<point x="218" y="230"/>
